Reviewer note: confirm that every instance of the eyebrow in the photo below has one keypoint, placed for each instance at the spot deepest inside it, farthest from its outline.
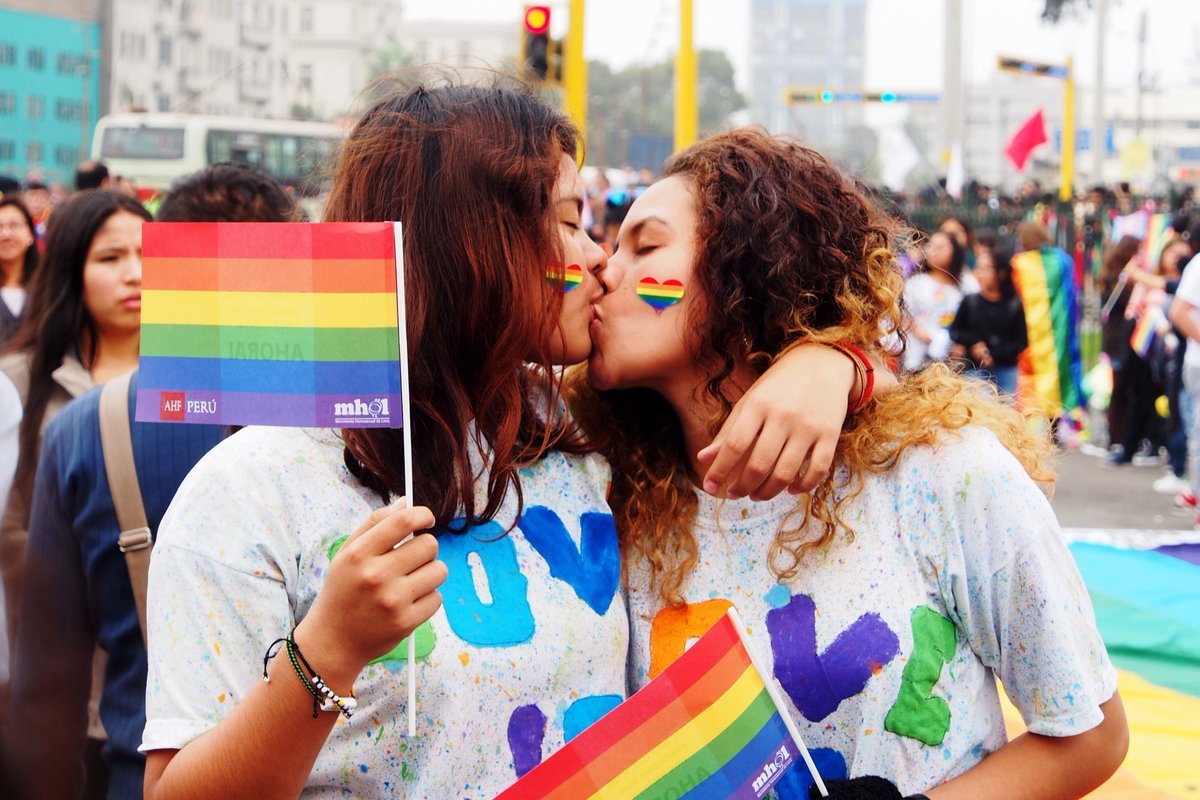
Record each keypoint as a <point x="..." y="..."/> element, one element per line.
<point x="576" y="203"/>
<point x="637" y="229"/>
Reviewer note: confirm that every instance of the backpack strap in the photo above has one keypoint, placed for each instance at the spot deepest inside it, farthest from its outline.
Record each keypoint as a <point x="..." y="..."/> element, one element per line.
<point x="116" y="441"/>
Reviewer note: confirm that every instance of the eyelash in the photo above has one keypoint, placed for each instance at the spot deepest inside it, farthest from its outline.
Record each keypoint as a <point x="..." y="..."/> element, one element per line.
<point x="641" y="251"/>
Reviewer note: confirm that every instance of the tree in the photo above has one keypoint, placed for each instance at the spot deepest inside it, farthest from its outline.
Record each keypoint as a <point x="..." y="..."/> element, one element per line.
<point x="1054" y="9"/>
<point x="637" y="101"/>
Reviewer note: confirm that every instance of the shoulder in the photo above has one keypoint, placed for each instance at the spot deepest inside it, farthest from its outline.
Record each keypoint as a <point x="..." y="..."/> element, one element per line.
<point x="79" y="413"/>
<point x="571" y="475"/>
<point x="16" y="367"/>
<point x="285" y="452"/>
<point x="969" y="453"/>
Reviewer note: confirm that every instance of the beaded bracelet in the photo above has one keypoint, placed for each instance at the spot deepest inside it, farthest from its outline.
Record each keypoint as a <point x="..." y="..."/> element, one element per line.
<point x="324" y="698"/>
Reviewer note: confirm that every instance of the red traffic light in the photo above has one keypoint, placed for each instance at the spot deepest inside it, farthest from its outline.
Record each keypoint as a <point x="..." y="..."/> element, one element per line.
<point x="537" y="19"/>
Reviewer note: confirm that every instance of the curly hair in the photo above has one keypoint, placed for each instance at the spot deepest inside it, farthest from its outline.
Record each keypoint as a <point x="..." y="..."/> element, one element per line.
<point x="793" y="252"/>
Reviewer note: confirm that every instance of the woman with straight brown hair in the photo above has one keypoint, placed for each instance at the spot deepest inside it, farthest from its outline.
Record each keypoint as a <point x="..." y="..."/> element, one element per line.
<point x="266" y="539"/>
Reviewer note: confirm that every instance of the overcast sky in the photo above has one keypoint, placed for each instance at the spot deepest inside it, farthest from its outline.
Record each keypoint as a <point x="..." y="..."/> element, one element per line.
<point x="903" y="36"/>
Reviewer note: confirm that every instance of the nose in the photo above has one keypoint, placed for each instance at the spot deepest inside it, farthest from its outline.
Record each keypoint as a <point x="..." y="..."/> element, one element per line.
<point x="611" y="273"/>
<point x="133" y="270"/>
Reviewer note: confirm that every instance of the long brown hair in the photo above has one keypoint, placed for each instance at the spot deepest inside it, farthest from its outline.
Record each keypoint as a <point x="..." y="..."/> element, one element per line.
<point x="470" y="173"/>
<point x="793" y="251"/>
<point x="56" y="322"/>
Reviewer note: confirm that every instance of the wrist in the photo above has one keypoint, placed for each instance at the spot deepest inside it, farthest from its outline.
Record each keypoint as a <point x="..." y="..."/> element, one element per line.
<point x="329" y="657"/>
<point x="864" y="375"/>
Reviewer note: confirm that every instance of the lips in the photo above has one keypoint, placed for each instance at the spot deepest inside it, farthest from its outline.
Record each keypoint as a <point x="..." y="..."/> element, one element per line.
<point x="133" y="303"/>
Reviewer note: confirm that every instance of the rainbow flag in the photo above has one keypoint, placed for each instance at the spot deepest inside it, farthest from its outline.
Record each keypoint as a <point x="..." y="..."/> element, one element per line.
<point x="1051" y="375"/>
<point x="1145" y="588"/>
<point x="708" y="726"/>
<point x="271" y="324"/>
<point x="1150" y="325"/>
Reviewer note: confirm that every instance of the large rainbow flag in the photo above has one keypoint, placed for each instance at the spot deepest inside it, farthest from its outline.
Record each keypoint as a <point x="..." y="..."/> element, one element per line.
<point x="1145" y="589"/>
<point x="271" y="324"/>
<point x="708" y="726"/>
<point x="1051" y="376"/>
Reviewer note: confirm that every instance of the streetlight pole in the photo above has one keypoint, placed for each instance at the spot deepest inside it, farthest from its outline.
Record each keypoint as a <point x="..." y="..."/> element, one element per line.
<point x="1066" y="182"/>
<point x="687" y="116"/>
<point x="575" y="78"/>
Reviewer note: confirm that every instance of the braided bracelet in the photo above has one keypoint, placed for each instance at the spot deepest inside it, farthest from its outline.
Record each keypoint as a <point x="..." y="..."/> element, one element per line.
<point x="324" y="698"/>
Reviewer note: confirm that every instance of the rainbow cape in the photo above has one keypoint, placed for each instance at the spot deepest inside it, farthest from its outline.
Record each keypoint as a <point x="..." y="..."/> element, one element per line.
<point x="708" y="726"/>
<point x="271" y="324"/>
<point x="1051" y="375"/>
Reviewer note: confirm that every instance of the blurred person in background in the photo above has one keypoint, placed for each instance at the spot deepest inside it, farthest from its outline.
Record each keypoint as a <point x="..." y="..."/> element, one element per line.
<point x="1115" y="331"/>
<point x="81" y="328"/>
<point x="989" y="329"/>
<point x="77" y="591"/>
<point x="960" y="229"/>
<point x="18" y="261"/>
<point x="36" y="196"/>
<point x="1185" y="316"/>
<point x="91" y="175"/>
<point x="932" y="297"/>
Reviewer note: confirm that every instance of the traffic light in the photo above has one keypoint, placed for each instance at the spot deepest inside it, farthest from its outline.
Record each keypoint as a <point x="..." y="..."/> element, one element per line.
<point x="1031" y="67"/>
<point x="535" y="41"/>
<point x="798" y="95"/>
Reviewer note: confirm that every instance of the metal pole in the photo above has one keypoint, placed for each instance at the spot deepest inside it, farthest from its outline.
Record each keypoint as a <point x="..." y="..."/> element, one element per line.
<point x="575" y="83"/>
<point x="952" y="97"/>
<point x="1066" y="183"/>
<point x="1099" y="140"/>
<point x="687" y="116"/>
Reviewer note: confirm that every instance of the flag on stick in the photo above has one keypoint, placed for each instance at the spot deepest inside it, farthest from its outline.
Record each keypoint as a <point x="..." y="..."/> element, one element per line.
<point x="271" y="324"/>
<point x="1031" y="133"/>
<point x="709" y="726"/>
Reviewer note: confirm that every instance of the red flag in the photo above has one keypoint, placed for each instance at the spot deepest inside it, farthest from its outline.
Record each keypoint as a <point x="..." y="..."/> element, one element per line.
<point x="1029" y="136"/>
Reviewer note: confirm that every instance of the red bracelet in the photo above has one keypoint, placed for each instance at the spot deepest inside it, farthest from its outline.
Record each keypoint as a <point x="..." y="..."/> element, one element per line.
<point x="861" y="362"/>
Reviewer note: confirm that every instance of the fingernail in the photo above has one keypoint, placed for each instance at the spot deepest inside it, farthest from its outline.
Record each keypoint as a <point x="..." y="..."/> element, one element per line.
<point x="712" y="487"/>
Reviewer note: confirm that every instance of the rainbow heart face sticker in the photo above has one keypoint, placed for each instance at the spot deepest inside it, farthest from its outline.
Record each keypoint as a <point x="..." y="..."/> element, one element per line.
<point x="572" y="276"/>
<point x="660" y="295"/>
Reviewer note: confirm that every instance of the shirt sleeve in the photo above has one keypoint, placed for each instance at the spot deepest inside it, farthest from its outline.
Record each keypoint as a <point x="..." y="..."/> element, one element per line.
<point x="218" y="596"/>
<point x="1189" y="283"/>
<point x="1019" y="599"/>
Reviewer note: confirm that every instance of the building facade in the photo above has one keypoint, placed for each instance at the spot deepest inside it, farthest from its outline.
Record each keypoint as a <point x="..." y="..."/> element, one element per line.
<point x="807" y="43"/>
<point x="49" y="90"/>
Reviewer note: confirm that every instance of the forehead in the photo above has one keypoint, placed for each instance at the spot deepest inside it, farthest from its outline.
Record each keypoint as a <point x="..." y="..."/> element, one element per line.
<point x="569" y="183"/>
<point x="11" y="212"/>
<point x="672" y="199"/>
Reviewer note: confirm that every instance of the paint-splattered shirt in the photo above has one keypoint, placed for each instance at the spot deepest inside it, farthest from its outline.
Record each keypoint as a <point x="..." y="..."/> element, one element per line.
<point x="888" y="644"/>
<point x="529" y="647"/>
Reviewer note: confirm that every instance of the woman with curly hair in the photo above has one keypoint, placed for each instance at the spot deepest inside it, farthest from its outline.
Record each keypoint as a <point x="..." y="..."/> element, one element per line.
<point x="928" y="564"/>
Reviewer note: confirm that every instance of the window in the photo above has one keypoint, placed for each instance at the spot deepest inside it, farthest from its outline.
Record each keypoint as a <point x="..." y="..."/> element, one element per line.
<point x="36" y="106"/>
<point x="164" y="51"/>
<point x="142" y="142"/>
<point x="36" y="58"/>
<point x="66" y="156"/>
<point x="73" y="64"/>
<point x="8" y="150"/>
<point x="33" y="152"/>
<point x="68" y="111"/>
<point x="8" y="102"/>
<point x="306" y="19"/>
<point x="8" y="55"/>
<point x="306" y="77"/>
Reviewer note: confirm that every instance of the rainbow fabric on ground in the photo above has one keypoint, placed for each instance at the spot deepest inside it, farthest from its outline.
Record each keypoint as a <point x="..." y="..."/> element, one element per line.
<point x="1145" y="589"/>
<point x="1051" y="375"/>
<point x="270" y="324"/>
<point x="706" y="727"/>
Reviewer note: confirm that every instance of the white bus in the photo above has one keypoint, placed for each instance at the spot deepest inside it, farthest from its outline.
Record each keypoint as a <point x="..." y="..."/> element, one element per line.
<point x="153" y="149"/>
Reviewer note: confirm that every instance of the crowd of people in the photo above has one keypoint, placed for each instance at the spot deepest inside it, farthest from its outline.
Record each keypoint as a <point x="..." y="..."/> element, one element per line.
<point x="615" y="471"/>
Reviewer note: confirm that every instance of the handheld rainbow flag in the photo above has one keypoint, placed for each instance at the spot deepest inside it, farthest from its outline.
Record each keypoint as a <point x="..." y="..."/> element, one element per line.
<point x="272" y="324"/>
<point x="1152" y="324"/>
<point x="711" y="725"/>
<point x="1051" y="376"/>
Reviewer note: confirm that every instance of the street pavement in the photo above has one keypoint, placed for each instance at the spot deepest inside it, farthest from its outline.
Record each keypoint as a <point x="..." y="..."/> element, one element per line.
<point x="1089" y="496"/>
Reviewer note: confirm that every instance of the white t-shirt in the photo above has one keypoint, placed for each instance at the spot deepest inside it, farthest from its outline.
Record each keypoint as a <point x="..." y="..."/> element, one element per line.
<point x="14" y="298"/>
<point x="529" y="647"/>
<point x="1189" y="292"/>
<point x="931" y="306"/>
<point x="888" y="643"/>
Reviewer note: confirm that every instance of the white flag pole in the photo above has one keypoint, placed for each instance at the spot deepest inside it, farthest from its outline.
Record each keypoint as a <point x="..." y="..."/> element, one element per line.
<point x="402" y="337"/>
<point x="769" y="682"/>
